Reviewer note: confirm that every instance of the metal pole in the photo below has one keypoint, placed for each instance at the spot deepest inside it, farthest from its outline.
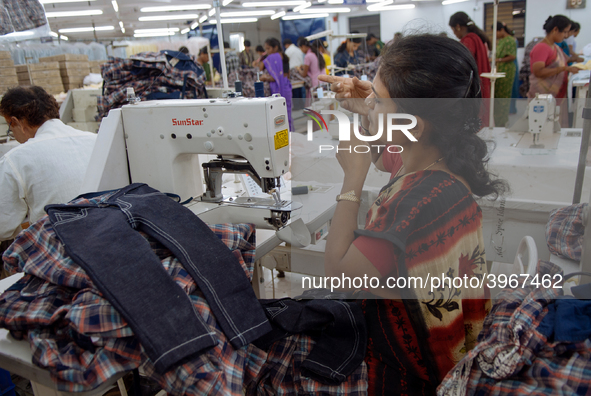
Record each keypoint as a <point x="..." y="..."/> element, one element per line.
<point x="584" y="149"/>
<point x="216" y="4"/>
<point x="491" y="120"/>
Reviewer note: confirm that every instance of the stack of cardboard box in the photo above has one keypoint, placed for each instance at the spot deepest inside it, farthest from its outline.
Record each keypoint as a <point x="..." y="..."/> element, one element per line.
<point x="84" y="110"/>
<point x="73" y="68"/>
<point x="8" y="78"/>
<point x="95" y="66"/>
<point x="46" y="75"/>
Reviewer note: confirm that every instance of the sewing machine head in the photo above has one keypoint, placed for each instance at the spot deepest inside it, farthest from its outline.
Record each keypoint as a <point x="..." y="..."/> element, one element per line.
<point x="542" y="121"/>
<point x="174" y="145"/>
<point x="163" y="139"/>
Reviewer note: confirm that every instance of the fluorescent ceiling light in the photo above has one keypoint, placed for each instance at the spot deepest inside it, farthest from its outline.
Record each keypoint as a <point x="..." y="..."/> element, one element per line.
<point x="154" y="34"/>
<point x="335" y="1"/>
<point x="388" y="6"/>
<point x="325" y="9"/>
<point x="247" y="13"/>
<point x="211" y="12"/>
<point x="194" y="25"/>
<point x="302" y="6"/>
<point x="115" y="5"/>
<point x="226" y="2"/>
<point x="86" y="29"/>
<point x="303" y="16"/>
<point x="203" y="19"/>
<point x="185" y="31"/>
<point x="62" y="1"/>
<point x="159" y="30"/>
<point x="274" y="3"/>
<point x="53" y="34"/>
<point x="65" y="38"/>
<point x="167" y="17"/>
<point x="446" y="2"/>
<point x="375" y="1"/>
<point x="233" y="20"/>
<point x="121" y="25"/>
<point x="321" y="1"/>
<point x="278" y="15"/>
<point x="187" y="7"/>
<point x="60" y="14"/>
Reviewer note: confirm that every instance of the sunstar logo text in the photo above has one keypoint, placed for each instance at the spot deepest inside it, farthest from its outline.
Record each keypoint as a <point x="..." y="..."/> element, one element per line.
<point x="188" y="121"/>
<point x="345" y="130"/>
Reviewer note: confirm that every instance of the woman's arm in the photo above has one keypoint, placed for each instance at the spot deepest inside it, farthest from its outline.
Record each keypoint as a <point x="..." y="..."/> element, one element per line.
<point x="540" y="70"/>
<point x="267" y="78"/>
<point x="304" y="70"/>
<point x="506" y="59"/>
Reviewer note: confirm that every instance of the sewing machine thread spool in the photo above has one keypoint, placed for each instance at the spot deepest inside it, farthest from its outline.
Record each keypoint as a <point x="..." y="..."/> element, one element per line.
<point x="238" y="87"/>
<point x="259" y="89"/>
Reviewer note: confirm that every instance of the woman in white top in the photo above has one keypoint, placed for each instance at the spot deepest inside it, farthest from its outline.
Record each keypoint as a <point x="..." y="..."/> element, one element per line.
<point x="47" y="167"/>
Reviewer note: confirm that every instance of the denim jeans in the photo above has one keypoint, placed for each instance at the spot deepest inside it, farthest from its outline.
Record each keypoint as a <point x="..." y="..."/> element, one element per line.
<point x="338" y="328"/>
<point x="104" y="240"/>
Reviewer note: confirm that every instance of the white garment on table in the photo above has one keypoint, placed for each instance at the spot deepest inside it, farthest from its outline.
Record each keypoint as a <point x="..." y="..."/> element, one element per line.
<point x="47" y="169"/>
<point x="296" y="56"/>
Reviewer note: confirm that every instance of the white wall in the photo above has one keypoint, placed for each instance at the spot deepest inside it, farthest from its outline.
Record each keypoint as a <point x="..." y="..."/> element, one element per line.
<point x="434" y="17"/>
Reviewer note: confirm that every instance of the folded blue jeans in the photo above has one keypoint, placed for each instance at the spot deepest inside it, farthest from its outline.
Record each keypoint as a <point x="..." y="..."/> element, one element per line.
<point x="104" y="240"/>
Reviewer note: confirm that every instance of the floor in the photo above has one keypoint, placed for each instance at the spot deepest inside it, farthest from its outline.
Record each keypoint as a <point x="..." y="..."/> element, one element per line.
<point x="290" y="286"/>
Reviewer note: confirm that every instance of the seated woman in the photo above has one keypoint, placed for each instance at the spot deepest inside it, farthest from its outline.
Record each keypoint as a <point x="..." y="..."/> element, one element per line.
<point x="274" y="63"/>
<point x="425" y="221"/>
<point x="347" y="54"/>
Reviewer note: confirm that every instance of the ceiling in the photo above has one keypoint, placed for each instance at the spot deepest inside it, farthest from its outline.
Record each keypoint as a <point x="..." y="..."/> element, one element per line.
<point x="129" y="14"/>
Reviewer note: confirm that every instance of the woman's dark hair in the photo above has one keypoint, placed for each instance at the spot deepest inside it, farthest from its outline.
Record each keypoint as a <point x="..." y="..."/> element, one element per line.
<point x="203" y="51"/>
<point x="184" y="50"/>
<point x="557" y="21"/>
<point x="575" y="27"/>
<point x="32" y="104"/>
<point x="343" y="45"/>
<point x="462" y="19"/>
<point x="274" y="43"/>
<point x="315" y="47"/>
<point x="436" y="78"/>
<point x="502" y="26"/>
<point x="259" y="48"/>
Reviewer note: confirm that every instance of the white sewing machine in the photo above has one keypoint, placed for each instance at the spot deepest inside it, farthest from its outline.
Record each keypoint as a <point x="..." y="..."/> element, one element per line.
<point x="542" y="120"/>
<point x="159" y="143"/>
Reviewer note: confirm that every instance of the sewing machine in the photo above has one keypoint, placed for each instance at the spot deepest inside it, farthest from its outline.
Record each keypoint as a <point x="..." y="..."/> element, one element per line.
<point x="162" y="143"/>
<point x="542" y="120"/>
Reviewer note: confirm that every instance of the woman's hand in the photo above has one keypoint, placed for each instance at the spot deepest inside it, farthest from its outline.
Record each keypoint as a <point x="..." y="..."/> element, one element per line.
<point x="573" y="69"/>
<point x="350" y="92"/>
<point x="355" y="164"/>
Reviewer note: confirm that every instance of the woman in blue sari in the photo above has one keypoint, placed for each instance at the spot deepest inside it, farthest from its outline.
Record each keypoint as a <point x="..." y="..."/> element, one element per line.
<point x="277" y="78"/>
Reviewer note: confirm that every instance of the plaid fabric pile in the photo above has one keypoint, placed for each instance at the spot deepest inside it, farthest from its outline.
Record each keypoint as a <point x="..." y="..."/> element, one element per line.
<point x="564" y="231"/>
<point x="513" y="357"/>
<point x="77" y="335"/>
<point x="247" y="76"/>
<point x="19" y="15"/>
<point x="148" y="73"/>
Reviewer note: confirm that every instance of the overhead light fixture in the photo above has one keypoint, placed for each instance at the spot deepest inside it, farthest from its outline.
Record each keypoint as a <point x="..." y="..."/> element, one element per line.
<point x="121" y="25"/>
<point x="187" y="7"/>
<point x="375" y="1"/>
<point x="123" y="30"/>
<point x="53" y="34"/>
<point x="62" y="1"/>
<point x="186" y="30"/>
<point x="332" y="10"/>
<point x="286" y="3"/>
<point x="335" y="1"/>
<point x="115" y="5"/>
<point x="385" y="6"/>
<point x="211" y="12"/>
<point x="302" y="6"/>
<point x="157" y="30"/>
<point x="167" y="17"/>
<point x="446" y="2"/>
<point x="278" y="15"/>
<point x="247" y="13"/>
<point x="60" y="14"/>
<point x="226" y="2"/>
<point x="233" y="20"/>
<point x="381" y="3"/>
<point x="203" y="19"/>
<point x="64" y="38"/>
<point x="194" y="25"/>
<point x="321" y="1"/>
<point x="86" y="29"/>
<point x="303" y="16"/>
<point x="154" y="34"/>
